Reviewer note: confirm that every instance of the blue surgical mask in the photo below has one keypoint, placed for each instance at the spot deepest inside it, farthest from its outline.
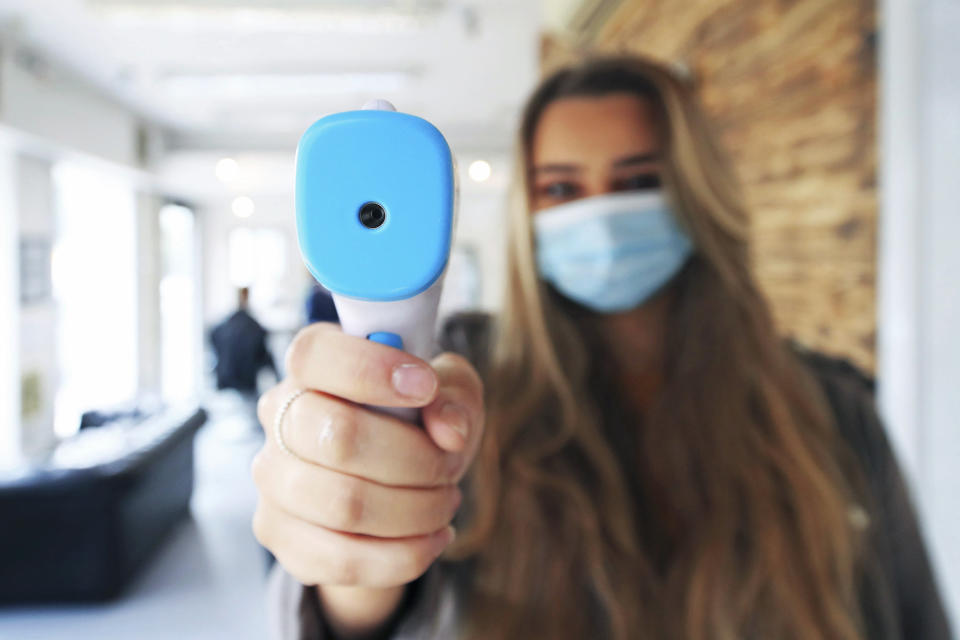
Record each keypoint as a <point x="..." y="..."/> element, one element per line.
<point x="610" y="252"/>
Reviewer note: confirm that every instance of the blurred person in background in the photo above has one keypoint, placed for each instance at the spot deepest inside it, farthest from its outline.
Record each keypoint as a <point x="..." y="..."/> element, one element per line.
<point x="630" y="450"/>
<point x="240" y="345"/>
<point x="320" y="306"/>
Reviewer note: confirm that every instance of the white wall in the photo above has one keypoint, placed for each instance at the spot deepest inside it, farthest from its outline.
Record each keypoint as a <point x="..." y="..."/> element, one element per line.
<point x="52" y="103"/>
<point x="919" y="305"/>
<point x="482" y="219"/>
<point x="9" y="321"/>
<point x="148" y="300"/>
<point x="47" y="115"/>
<point x="38" y="320"/>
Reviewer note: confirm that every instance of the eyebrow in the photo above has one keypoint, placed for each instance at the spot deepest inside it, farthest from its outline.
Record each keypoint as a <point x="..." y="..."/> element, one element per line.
<point x="556" y="168"/>
<point x="637" y="158"/>
<point x="627" y="161"/>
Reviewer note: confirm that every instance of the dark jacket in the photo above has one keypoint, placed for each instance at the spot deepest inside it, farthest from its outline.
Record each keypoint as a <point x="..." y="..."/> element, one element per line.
<point x="899" y="596"/>
<point x="320" y="306"/>
<point x="240" y="344"/>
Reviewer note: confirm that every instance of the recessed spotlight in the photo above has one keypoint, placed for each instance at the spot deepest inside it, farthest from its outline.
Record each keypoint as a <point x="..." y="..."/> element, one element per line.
<point x="479" y="170"/>
<point x="242" y="207"/>
<point x="227" y="170"/>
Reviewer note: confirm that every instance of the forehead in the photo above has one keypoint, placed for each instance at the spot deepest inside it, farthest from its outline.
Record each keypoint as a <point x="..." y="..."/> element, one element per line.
<point x="582" y="128"/>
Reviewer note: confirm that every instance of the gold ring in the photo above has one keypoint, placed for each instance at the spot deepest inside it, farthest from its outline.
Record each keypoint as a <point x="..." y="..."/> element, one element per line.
<point x="278" y="421"/>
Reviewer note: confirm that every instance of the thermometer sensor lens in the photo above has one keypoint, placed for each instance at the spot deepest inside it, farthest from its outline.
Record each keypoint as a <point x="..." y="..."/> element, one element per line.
<point x="372" y="215"/>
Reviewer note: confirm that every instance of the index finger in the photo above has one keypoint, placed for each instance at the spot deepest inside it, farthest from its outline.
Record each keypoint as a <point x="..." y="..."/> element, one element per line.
<point x="330" y="432"/>
<point x="323" y="358"/>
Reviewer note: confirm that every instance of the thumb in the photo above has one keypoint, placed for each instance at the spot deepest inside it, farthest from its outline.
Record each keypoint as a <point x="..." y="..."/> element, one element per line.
<point x="447" y="423"/>
<point x="453" y="419"/>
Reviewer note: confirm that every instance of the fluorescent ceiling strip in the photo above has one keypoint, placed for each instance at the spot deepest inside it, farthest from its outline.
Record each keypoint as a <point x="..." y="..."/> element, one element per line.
<point x="408" y="5"/>
<point x="322" y="18"/>
<point x="242" y="85"/>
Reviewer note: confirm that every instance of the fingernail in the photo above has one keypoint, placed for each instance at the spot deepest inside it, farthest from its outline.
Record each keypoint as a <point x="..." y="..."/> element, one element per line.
<point x="456" y="417"/>
<point x="414" y="381"/>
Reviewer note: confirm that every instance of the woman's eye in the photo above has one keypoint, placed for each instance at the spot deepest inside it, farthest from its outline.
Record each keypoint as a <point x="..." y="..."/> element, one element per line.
<point x="639" y="182"/>
<point x="559" y="190"/>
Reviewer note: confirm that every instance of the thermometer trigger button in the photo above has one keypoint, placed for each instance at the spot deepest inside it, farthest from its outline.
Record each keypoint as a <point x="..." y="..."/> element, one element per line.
<point x="387" y="338"/>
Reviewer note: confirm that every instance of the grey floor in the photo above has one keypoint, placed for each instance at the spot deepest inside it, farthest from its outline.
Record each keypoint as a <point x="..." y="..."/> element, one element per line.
<point x="208" y="579"/>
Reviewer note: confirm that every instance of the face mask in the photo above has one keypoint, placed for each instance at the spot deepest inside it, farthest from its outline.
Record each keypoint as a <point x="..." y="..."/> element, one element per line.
<point x="610" y="252"/>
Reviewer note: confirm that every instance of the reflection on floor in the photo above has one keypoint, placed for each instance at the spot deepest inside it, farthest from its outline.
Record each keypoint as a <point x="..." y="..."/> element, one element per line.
<point x="206" y="582"/>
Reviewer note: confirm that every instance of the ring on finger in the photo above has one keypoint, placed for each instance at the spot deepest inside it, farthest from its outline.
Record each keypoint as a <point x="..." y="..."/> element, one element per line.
<point x="278" y="421"/>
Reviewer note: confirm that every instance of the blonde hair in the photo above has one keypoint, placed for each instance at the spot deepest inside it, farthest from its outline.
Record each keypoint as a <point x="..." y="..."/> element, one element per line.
<point x="722" y="512"/>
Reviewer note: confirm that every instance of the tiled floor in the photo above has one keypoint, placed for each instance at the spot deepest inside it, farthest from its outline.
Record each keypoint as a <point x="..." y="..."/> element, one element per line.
<point x="207" y="581"/>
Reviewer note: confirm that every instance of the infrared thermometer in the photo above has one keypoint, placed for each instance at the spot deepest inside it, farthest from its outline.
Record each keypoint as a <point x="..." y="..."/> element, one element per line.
<point x="376" y="205"/>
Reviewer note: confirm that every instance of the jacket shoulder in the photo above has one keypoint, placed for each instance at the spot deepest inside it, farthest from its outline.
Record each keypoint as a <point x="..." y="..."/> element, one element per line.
<point x="850" y="392"/>
<point x="901" y="593"/>
<point x="835" y="370"/>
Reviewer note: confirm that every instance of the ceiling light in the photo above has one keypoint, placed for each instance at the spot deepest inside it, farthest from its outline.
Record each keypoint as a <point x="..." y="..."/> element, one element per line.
<point x="479" y="170"/>
<point x="227" y="170"/>
<point x="242" y="207"/>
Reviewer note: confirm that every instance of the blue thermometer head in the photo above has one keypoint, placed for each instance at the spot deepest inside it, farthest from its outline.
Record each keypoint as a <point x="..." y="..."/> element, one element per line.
<point x="375" y="203"/>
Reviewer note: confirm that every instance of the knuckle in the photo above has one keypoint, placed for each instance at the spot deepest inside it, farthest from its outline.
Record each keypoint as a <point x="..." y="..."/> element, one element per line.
<point x="343" y="569"/>
<point x="367" y="371"/>
<point x="338" y="435"/>
<point x="348" y="505"/>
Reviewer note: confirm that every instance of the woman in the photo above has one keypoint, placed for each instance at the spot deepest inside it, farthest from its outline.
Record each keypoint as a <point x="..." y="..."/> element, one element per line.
<point x="645" y="459"/>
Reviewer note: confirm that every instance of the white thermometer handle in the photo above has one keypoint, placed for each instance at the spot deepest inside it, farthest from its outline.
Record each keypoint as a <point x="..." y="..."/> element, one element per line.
<point x="412" y="321"/>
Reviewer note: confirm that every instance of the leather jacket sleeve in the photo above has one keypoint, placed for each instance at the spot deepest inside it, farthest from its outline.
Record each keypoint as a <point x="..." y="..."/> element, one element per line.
<point x="899" y="594"/>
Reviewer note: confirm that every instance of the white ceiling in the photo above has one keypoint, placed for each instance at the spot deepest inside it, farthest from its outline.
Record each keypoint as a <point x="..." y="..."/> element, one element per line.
<point x="251" y="75"/>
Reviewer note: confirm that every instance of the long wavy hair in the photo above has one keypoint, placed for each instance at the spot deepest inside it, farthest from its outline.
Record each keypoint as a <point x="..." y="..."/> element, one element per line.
<point x="721" y="512"/>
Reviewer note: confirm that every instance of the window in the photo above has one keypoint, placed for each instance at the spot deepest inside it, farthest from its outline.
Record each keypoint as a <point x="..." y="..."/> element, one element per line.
<point x="179" y="324"/>
<point x="94" y="276"/>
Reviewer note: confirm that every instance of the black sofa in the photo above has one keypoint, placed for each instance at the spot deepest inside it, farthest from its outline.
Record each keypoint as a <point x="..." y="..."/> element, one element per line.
<point x="72" y="531"/>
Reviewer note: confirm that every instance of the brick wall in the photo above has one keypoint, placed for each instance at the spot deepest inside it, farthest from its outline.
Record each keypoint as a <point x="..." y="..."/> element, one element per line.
<point x="790" y="86"/>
